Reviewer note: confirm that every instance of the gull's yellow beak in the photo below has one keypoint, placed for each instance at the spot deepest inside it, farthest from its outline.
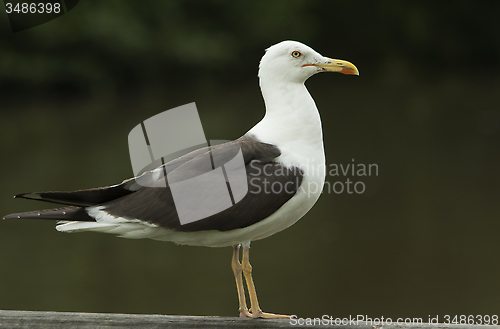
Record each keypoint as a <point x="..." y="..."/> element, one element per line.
<point x="337" y="65"/>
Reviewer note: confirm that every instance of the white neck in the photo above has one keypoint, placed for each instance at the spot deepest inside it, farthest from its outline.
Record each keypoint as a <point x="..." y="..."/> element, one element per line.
<point x="292" y="122"/>
<point x="291" y="115"/>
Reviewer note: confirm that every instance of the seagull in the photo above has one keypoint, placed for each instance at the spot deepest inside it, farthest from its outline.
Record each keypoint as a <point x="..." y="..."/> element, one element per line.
<point x="285" y="167"/>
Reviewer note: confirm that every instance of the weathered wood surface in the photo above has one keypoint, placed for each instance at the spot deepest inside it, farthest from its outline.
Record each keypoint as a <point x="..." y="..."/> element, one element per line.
<point x="59" y="320"/>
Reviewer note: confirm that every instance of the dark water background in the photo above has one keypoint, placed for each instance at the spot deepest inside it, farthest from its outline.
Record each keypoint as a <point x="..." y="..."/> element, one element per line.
<point x="421" y="240"/>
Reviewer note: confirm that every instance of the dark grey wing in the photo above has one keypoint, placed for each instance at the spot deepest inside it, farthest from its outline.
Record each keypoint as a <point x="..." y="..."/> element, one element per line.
<point x="270" y="185"/>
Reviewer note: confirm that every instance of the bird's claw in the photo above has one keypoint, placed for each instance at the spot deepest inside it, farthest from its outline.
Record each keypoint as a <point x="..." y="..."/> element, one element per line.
<point x="262" y="315"/>
<point x="245" y="314"/>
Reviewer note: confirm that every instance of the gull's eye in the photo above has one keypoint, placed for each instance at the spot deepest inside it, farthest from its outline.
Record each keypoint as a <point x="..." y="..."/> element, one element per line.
<point x="296" y="54"/>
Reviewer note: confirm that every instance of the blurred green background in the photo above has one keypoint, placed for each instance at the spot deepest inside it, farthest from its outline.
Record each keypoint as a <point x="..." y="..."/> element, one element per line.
<point x="422" y="240"/>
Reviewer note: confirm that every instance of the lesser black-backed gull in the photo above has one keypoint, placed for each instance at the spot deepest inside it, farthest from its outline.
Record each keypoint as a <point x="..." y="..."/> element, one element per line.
<point x="284" y="149"/>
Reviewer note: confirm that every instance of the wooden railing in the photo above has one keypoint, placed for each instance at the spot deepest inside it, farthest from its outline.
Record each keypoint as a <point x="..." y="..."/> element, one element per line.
<point x="63" y="320"/>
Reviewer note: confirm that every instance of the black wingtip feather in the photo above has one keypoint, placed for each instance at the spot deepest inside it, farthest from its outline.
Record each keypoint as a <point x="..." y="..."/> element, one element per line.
<point x="67" y="213"/>
<point x="11" y="216"/>
<point x="81" y="198"/>
<point x="29" y="195"/>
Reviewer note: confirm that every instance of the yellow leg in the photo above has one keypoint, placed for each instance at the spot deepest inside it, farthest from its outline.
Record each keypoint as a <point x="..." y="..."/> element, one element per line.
<point x="237" y="270"/>
<point x="255" y="310"/>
